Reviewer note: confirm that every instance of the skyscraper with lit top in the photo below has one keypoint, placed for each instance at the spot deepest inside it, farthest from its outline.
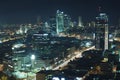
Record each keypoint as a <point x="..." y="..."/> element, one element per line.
<point x="102" y="32"/>
<point x="59" y="22"/>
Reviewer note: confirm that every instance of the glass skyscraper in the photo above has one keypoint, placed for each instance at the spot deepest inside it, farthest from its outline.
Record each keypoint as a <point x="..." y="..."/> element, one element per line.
<point x="101" y="35"/>
<point x="59" y="22"/>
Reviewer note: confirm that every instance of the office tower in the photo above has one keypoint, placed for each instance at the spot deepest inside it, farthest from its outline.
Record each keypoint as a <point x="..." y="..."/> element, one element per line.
<point x="59" y="22"/>
<point x="24" y="29"/>
<point x="101" y="34"/>
<point x="52" y="23"/>
<point x="80" y="21"/>
<point x="46" y="27"/>
<point x="38" y="20"/>
<point x="40" y="38"/>
<point x="67" y="21"/>
<point x="40" y="23"/>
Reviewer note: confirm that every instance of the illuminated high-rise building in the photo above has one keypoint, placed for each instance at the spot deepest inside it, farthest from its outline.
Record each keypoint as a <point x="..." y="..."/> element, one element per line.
<point x="52" y="23"/>
<point x="67" y="21"/>
<point x="46" y="27"/>
<point x="102" y="32"/>
<point x="59" y="22"/>
<point x="80" y="21"/>
<point x="23" y="29"/>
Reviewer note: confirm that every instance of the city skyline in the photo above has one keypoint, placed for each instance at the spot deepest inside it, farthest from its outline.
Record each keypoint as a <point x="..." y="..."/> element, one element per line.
<point x="27" y="11"/>
<point x="59" y="40"/>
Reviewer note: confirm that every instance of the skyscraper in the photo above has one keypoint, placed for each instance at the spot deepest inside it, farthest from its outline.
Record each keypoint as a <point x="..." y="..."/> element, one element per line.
<point x="52" y="23"/>
<point x="59" y="22"/>
<point x="80" y="21"/>
<point x="101" y="34"/>
<point x="38" y="20"/>
<point x="67" y="21"/>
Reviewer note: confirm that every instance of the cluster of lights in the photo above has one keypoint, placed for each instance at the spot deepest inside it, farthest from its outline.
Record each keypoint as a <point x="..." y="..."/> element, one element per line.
<point x="57" y="78"/>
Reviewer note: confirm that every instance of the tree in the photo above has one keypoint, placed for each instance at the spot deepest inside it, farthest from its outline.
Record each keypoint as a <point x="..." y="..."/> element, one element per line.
<point x="3" y="76"/>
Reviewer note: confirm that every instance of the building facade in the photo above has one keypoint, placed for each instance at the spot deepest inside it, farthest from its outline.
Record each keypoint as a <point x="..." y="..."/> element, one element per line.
<point x="102" y="32"/>
<point x="59" y="22"/>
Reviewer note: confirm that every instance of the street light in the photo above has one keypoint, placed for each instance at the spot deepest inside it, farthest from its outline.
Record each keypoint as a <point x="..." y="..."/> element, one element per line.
<point x="32" y="57"/>
<point x="32" y="60"/>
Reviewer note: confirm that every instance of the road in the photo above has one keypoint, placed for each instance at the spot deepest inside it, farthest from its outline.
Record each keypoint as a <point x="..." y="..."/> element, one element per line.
<point x="78" y="55"/>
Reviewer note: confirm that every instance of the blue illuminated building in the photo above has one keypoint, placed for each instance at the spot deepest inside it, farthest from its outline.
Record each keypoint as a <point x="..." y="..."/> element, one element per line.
<point x="59" y="22"/>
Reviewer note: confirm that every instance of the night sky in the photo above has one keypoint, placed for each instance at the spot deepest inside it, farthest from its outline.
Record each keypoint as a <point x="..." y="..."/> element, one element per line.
<point x="26" y="11"/>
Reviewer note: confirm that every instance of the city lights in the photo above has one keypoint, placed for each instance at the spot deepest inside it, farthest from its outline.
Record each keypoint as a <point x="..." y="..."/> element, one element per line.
<point x="60" y="40"/>
<point x="32" y="57"/>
